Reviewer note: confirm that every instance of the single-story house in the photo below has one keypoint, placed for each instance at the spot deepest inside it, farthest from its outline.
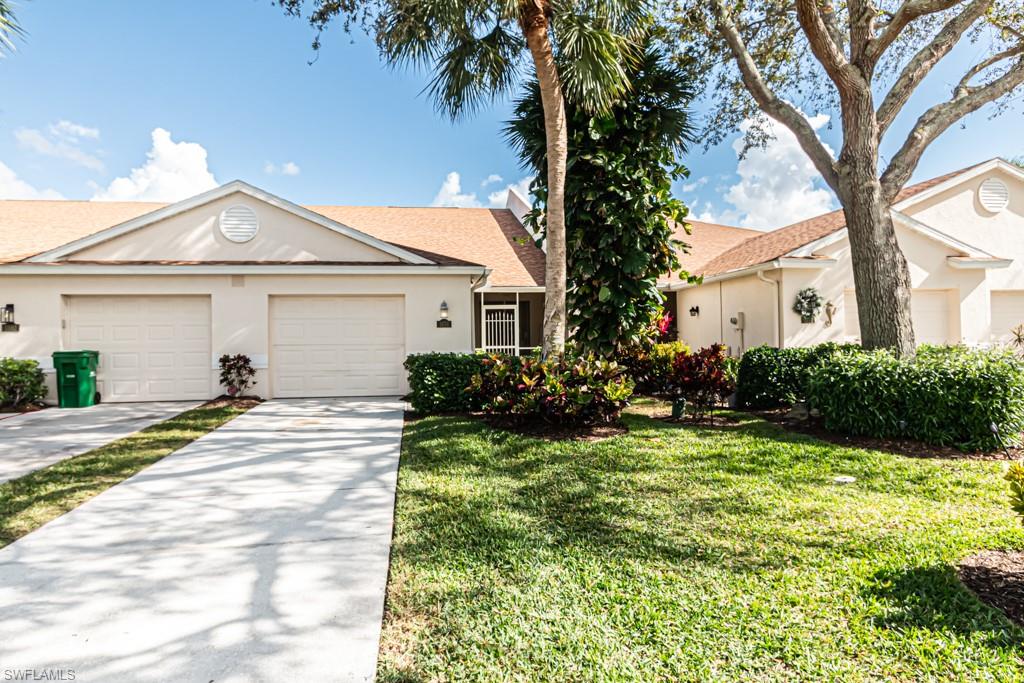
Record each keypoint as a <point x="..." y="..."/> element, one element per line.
<point x="326" y="300"/>
<point x="329" y="300"/>
<point x="962" y="234"/>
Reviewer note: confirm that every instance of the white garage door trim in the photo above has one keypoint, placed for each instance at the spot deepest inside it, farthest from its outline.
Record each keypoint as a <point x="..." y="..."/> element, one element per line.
<point x="152" y="348"/>
<point x="329" y="345"/>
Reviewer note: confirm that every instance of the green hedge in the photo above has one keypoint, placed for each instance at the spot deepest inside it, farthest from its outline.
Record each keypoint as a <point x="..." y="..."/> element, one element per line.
<point x="945" y="396"/>
<point x="438" y="382"/>
<point x="21" y="383"/>
<point x="769" y="377"/>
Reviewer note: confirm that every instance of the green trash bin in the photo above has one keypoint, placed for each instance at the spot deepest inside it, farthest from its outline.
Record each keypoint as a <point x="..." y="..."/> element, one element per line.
<point x="76" y="378"/>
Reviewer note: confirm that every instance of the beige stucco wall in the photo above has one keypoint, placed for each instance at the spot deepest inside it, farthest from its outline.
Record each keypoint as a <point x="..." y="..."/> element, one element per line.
<point x="195" y="236"/>
<point x="239" y="313"/>
<point x="721" y="301"/>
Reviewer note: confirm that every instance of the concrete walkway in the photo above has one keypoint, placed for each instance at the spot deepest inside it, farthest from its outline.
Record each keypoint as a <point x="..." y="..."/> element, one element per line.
<point x="32" y="441"/>
<point x="257" y="553"/>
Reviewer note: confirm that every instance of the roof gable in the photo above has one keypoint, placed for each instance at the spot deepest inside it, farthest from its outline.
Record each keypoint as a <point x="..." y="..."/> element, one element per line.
<point x="802" y="238"/>
<point x="189" y="231"/>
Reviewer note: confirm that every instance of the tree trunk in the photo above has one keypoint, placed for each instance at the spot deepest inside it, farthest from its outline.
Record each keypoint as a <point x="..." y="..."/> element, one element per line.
<point x="534" y="20"/>
<point x="880" y="271"/>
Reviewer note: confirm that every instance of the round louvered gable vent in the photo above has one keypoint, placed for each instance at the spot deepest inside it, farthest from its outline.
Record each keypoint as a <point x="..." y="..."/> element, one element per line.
<point x="994" y="195"/>
<point x="239" y="223"/>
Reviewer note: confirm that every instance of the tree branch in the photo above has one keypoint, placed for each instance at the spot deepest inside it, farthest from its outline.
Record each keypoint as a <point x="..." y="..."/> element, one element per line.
<point x="824" y="46"/>
<point x="769" y="103"/>
<point x="935" y="121"/>
<point x="965" y="82"/>
<point x="900" y="19"/>
<point x="921" y="64"/>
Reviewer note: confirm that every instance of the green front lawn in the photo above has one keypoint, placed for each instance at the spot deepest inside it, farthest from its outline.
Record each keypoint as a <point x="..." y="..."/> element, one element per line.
<point x="695" y="554"/>
<point x="30" y="501"/>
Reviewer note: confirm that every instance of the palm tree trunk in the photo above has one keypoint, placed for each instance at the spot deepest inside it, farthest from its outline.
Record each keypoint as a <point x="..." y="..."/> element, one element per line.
<point x="534" y="20"/>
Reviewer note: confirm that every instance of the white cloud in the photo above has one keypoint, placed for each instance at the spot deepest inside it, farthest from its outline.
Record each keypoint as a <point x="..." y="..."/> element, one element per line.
<point x="173" y="171"/>
<point x="695" y="184"/>
<point x="497" y="199"/>
<point x="69" y="129"/>
<point x="13" y="187"/>
<point x="451" y="193"/>
<point x="59" y="144"/>
<point x="287" y="168"/>
<point x="778" y="184"/>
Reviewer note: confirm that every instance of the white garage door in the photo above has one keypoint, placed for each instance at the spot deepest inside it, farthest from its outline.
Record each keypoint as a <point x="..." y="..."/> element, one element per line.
<point x="337" y="345"/>
<point x="152" y="348"/>
<point x="1007" y="313"/>
<point x="929" y="309"/>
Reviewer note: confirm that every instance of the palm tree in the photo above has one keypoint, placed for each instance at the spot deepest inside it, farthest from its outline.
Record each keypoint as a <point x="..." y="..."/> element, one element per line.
<point x="581" y="50"/>
<point x="8" y="27"/>
<point x="619" y="207"/>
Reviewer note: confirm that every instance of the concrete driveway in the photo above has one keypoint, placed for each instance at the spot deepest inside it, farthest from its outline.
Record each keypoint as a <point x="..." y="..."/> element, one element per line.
<point x="257" y="553"/>
<point x="32" y="441"/>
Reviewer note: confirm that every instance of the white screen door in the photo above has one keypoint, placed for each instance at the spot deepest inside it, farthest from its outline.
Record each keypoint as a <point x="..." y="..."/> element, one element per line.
<point x="501" y="328"/>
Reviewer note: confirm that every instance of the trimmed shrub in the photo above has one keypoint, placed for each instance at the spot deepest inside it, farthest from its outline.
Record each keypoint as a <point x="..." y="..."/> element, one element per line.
<point x="650" y="366"/>
<point x="948" y="397"/>
<point x="237" y="374"/>
<point x="439" y="382"/>
<point x="21" y="383"/>
<point x="702" y="378"/>
<point x="1015" y="476"/>
<point x="580" y="391"/>
<point x="770" y="378"/>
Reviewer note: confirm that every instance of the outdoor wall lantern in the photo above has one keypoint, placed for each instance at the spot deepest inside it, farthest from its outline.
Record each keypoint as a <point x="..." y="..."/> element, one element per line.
<point x="694" y="311"/>
<point x="7" y="323"/>
<point x="443" y="321"/>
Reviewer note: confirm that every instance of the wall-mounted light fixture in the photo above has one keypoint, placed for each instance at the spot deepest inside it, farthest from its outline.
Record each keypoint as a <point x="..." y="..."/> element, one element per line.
<point x="443" y="321"/>
<point x="7" y="323"/>
<point x="694" y="311"/>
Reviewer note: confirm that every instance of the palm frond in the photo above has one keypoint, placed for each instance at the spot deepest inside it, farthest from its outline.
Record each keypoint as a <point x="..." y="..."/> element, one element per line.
<point x="595" y="57"/>
<point x="9" y="28"/>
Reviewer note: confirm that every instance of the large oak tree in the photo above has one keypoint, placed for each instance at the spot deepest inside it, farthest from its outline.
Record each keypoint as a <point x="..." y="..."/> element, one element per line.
<point x="476" y="50"/>
<point x="866" y="59"/>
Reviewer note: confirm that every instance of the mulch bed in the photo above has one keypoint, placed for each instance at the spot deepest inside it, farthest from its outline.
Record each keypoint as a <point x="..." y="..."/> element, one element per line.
<point x="245" y="402"/>
<point x="556" y="432"/>
<point x="907" y="447"/>
<point x="997" y="578"/>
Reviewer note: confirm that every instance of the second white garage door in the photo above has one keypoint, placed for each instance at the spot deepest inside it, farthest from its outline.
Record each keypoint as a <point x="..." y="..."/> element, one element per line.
<point x="337" y="345"/>
<point x="1007" y="314"/>
<point x="152" y="348"/>
<point x="929" y="309"/>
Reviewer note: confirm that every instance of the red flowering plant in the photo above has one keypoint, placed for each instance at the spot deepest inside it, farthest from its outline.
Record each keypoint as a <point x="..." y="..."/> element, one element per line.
<point x="701" y="379"/>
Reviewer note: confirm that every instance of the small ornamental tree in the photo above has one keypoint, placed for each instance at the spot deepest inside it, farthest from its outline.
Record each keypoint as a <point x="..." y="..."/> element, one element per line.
<point x="619" y="208"/>
<point x="237" y="374"/>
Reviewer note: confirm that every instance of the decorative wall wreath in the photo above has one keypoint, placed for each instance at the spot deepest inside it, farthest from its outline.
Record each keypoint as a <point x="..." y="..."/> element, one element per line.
<point x="807" y="304"/>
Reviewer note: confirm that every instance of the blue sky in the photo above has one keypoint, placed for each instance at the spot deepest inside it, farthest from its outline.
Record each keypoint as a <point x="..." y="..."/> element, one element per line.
<point x="127" y="100"/>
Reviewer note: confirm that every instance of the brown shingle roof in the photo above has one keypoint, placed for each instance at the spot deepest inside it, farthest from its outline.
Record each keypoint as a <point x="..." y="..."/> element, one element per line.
<point x="706" y="241"/>
<point x="490" y="237"/>
<point x="769" y="246"/>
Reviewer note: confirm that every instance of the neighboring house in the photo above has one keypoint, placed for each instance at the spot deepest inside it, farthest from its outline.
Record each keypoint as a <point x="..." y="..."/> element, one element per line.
<point x="329" y="300"/>
<point x="963" y="237"/>
<point x="326" y="300"/>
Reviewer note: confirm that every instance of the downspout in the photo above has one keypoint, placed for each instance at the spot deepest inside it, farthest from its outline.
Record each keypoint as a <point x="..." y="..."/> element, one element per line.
<point x="777" y="318"/>
<point x="473" y="286"/>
